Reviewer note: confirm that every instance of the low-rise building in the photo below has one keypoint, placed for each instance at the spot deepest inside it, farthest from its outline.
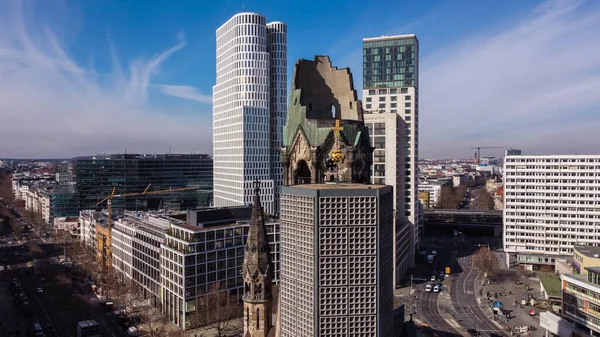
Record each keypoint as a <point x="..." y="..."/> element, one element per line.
<point x="581" y="300"/>
<point x="88" y="219"/>
<point x="434" y="188"/>
<point x="585" y="256"/>
<point x="68" y="224"/>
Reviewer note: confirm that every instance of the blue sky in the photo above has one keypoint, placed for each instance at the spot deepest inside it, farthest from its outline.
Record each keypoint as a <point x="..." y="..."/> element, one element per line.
<point x="84" y="77"/>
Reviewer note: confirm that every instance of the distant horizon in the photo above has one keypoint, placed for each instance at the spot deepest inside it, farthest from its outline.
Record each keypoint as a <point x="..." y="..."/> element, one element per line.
<point x="90" y="77"/>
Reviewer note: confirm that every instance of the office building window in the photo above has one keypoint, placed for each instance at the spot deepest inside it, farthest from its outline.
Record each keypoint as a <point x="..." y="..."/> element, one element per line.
<point x="407" y="105"/>
<point x="382" y="99"/>
<point x="404" y="90"/>
<point x="369" y="99"/>
<point x="381" y="105"/>
<point x="394" y="98"/>
<point x="407" y="98"/>
<point x="382" y="91"/>
<point x="394" y="91"/>
<point x="407" y="111"/>
<point x="372" y="92"/>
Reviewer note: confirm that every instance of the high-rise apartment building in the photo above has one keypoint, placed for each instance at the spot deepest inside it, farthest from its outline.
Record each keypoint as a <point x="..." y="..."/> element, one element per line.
<point x="249" y="109"/>
<point x="390" y="85"/>
<point x="385" y="131"/>
<point x="550" y="205"/>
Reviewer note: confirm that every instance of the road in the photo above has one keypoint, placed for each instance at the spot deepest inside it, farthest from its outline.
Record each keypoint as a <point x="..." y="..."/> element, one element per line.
<point x="61" y="303"/>
<point x="464" y="299"/>
<point x="428" y="308"/>
<point x="463" y="291"/>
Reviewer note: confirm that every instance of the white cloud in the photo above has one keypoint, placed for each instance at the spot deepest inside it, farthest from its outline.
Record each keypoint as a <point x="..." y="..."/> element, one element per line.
<point x="52" y="106"/>
<point x="521" y="86"/>
<point x="185" y="92"/>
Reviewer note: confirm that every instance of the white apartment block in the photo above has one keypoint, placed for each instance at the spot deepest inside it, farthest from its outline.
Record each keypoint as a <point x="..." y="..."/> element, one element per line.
<point x="88" y="220"/>
<point x="390" y="85"/>
<point x="249" y="109"/>
<point x="434" y="189"/>
<point x="336" y="253"/>
<point x="136" y="242"/>
<point x="551" y="204"/>
<point x="385" y="131"/>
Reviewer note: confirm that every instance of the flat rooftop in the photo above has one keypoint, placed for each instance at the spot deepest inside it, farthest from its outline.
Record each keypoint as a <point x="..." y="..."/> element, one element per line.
<point x="391" y="37"/>
<point x="339" y="186"/>
<point x="552" y="284"/>
<point x="588" y="251"/>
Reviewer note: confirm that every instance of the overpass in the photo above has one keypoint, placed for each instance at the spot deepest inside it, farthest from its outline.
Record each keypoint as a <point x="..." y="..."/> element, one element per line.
<point x="480" y="221"/>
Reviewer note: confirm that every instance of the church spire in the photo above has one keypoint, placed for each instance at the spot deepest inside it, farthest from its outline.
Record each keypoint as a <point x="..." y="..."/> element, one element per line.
<point x="257" y="273"/>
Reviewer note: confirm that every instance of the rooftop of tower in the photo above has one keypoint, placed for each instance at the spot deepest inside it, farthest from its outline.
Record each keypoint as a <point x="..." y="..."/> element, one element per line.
<point x="391" y="37"/>
<point x="348" y="186"/>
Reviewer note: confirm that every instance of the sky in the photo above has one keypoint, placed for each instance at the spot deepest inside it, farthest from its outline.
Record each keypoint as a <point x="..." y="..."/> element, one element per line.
<point x="88" y="77"/>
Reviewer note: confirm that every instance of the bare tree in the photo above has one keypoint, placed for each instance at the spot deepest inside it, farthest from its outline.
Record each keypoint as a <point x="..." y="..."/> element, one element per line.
<point x="447" y="198"/>
<point x="155" y="323"/>
<point x="223" y="311"/>
<point x="6" y="188"/>
<point x="484" y="200"/>
<point x="485" y="260"/>
<point x="36" y="251"/>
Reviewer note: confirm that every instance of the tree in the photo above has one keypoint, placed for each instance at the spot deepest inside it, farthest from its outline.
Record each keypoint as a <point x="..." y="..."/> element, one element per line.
<point x="6" y="188"/>
<point x="223" y="311"/>
<point x="485" y="260"/>
<point x="484" y="200"/>
<point x="155" y="323"/>
<point x="447" y="198"/>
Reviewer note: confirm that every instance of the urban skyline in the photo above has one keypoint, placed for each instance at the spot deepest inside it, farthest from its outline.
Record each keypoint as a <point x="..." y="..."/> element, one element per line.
<point x="54" y="78"/>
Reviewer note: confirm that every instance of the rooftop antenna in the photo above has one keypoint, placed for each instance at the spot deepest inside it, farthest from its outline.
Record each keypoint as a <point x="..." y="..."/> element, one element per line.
<point x="244" y="7"/>
<point x="169" y="150"/>
<point x="125" y="150"/>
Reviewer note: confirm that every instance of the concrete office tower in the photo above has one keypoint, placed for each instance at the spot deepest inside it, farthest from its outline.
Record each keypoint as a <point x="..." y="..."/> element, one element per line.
<point x="550" y="205"/>
<point x="336" y="228"/>
<point x="248" y="109"/>
<point x="386" y="131"/>
<point x="390" y="85"/>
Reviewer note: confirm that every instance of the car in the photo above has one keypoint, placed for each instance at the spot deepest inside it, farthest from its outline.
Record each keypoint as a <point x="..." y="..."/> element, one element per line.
<point x="40" y="290"/>
<point x="433" y="278"/>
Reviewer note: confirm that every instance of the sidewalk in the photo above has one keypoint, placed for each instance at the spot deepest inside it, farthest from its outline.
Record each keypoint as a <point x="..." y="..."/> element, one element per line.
<point x="503" y="283"/>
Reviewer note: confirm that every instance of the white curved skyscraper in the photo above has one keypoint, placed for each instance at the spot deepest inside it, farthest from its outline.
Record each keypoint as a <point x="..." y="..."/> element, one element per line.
<point x="249" y="109"/>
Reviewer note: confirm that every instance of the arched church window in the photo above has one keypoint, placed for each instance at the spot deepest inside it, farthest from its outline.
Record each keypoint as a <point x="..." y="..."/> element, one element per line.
<point x="332" y="107"/>
<point x="257" y="318"/>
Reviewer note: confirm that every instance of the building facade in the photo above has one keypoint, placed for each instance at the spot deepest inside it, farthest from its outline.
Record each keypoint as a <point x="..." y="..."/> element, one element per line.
<point x="583" y="257"/>
<point x="336" y="259"/>
<point x="249" y="108"/>
<point x="201" y="261"/>
<point x="550" y="206"/>
<point x="132" y="173"/>
<point x="581" y="300"/>
<point x="385" y="131"/>
<point x="390" y="85"/>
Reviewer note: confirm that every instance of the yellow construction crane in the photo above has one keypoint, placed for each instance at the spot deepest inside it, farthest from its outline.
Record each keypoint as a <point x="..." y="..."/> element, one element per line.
<point x="112" y="196"/>
<point x="103" y="235"/>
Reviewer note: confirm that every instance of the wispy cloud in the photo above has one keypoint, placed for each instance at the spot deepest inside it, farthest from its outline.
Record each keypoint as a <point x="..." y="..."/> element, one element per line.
<point x="185" y="92"/>
<point x="522" y="86"/>
<point x="52" y="106"/>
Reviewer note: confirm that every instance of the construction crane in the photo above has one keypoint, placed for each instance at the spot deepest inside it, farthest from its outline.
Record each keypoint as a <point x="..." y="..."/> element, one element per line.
<point x="112" y="196"/>
<point x="478" y="153"/>
<point x="104" y="236"/>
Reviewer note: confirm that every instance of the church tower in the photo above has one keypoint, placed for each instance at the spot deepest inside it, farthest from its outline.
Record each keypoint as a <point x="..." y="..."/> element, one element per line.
<point x="258" y="275"/>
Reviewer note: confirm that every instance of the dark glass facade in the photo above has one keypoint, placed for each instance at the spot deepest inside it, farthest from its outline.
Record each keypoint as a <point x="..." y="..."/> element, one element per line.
<point x="390" y="63"/>
<point x="131" y="173"/>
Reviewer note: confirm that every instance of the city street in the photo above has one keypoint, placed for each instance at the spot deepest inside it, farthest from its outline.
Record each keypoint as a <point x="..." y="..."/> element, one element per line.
<point x="52" y="298"/>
